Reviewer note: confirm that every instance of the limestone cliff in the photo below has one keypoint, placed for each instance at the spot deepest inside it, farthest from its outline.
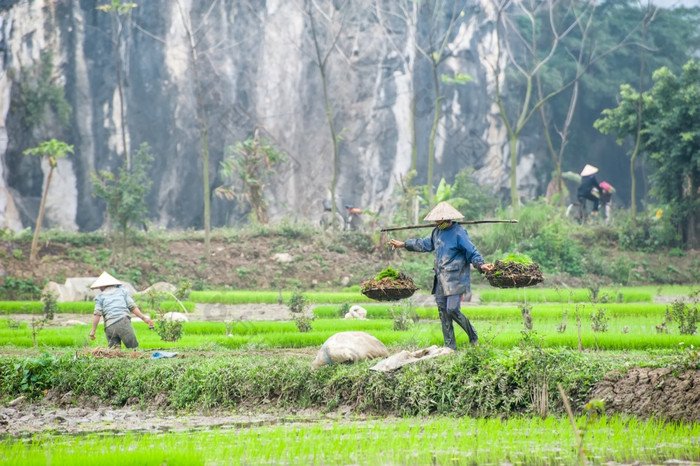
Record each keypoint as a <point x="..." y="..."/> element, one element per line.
<point x="257" y="66"/>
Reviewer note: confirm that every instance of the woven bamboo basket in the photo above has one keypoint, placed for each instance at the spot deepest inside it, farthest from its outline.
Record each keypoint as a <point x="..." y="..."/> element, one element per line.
<point x="389" y="294"/>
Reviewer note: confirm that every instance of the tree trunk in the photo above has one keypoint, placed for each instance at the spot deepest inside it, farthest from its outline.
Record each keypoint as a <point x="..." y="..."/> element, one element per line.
<point x="433" y="133"/>
<point x="691" y="228"/>
<point x="40" y="218"/>
<point x="514" y="196"/>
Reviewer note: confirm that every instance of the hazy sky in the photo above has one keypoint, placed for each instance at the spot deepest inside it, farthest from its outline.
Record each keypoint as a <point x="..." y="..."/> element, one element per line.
<point x="671" y="3"/>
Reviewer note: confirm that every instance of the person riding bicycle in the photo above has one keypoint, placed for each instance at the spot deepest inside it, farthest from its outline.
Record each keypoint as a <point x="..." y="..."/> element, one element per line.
<point x="585" y="189"/>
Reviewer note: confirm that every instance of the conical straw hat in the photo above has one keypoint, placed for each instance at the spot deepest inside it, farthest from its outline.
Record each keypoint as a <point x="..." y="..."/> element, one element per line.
<point x="105" y="280"/>
<point x="589" y="170"/>
<point x="443" y="211"/>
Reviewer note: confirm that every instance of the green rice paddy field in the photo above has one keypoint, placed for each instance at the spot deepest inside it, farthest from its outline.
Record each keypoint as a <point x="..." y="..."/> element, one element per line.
<point x="637" y="329"/>
<point x="440" y="440"/>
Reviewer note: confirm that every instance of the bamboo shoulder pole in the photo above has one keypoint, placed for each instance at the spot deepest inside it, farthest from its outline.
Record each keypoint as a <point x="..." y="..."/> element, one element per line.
<point x="431" y="225"/>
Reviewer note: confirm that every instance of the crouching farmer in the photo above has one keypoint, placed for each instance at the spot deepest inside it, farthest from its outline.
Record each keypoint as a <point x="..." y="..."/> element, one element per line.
<point x="116" y="306"/>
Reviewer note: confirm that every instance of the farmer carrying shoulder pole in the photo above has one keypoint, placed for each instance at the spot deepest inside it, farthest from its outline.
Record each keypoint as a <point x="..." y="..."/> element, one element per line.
<point x="454" y="252"/>
<point x="116" y="306"/>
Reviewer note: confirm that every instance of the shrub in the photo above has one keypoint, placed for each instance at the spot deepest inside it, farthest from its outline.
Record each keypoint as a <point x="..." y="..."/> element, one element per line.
<point x="169" y="329"/>
<point x="599" y="320"/>
<point x="50" y="305"/>
<point x="183" y="291"/>
<point x="647" y="233"/>
<point x="298" y="302"/>
<point x="19" y="289"/>
<point x="553" y="249"/>
<point x="357" y="241"/>
<point x="619" y="270"/>
<point x="343" y="309"/>
<point x="303" y="322"/>
<point x="404" y="316"/>
<point x="685" y="316"/>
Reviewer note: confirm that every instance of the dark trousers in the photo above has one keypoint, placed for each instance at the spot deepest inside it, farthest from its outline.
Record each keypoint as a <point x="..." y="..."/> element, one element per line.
<point x="120" y="332"/>
<point x="590" y="197"/>
<point x="450" y="309"/>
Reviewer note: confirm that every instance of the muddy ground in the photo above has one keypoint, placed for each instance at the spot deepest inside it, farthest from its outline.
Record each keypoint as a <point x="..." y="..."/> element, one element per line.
<point x="27" y="419"/>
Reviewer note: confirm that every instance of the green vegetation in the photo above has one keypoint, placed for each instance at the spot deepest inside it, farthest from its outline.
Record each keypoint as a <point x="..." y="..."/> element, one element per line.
<point x="250" y="164"/>
<point x="571" y="295"/>
<point x="439" y="440"/>
<point x="387" y="273"/>
<point x="666" y="129"/>
<point x="628" y="327"/>
<point x="80" y="307"/>
<point x="271" y="297"/>
<point x="518" y="259"/>
<point x="38" y="92"/>
<point x="125" y="193"/>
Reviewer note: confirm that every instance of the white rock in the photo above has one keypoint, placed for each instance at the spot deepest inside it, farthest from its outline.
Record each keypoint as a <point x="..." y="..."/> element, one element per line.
<point x="283" y="258"/>
<point x="175" y="317"/>
<point x="160" y="287"/>
<point x="72" y="322"/>
<point x="356" y="312"/>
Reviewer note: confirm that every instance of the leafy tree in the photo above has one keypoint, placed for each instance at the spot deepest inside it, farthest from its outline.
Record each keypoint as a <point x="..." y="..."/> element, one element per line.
<point x="252" y="162"/>
<point x="670" y="135"/>
<point x="672" y="138"/>
<point x="52" y="150"/>
<point x="474" y="201"/>
<point x="125" y="194"/>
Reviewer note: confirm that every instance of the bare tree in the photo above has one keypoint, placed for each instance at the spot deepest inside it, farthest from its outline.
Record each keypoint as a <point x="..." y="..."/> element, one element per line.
<point x="436" y="51"/>
<point x="197" y="47"/>
<point x="528" y="63"/>
<point x="326" y="28"/>
<point x="649" y="15"/>
<point x="582" y="57"/>
<point x="120" y="15"/>
<point x="548" y="22"/>
<point x="429" y="28"/>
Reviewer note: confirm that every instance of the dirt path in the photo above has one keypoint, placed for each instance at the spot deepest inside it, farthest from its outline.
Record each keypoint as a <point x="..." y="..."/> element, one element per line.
<point x="24" y="419"/>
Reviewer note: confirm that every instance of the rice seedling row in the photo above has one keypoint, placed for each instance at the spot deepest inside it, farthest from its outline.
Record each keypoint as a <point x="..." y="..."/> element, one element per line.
<point x="628" y="332"/>
<point x="79" y="307"/>
<point x="441" y="440"/>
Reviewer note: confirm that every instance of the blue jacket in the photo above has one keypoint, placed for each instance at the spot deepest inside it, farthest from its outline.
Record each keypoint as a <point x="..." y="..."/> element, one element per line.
<point x="454" y="252"/>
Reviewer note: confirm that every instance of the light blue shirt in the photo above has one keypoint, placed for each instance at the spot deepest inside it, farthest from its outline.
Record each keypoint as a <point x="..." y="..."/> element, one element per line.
<point x="113" y="304"/>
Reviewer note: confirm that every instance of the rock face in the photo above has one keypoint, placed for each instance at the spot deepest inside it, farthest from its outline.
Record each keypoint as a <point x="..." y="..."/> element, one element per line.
<point x="257" y="67"/>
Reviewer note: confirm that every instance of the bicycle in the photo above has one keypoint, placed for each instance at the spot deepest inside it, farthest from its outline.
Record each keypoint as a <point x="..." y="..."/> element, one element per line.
<point x="578" y="212"/>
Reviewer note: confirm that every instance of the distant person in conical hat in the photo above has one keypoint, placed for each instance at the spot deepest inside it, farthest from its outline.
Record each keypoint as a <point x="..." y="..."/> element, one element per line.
<point x="454" y="254"/>
<point x="589" y="183"/>
<point x="116" y="306"/>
